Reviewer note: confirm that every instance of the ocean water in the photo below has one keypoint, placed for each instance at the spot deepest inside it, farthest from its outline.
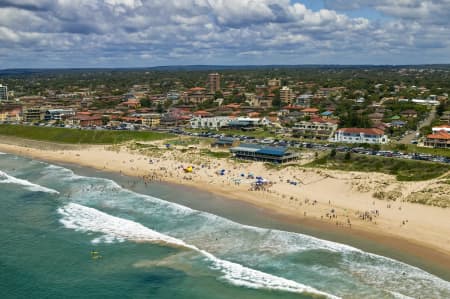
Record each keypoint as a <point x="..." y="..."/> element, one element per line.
<point x="51" y="219"/>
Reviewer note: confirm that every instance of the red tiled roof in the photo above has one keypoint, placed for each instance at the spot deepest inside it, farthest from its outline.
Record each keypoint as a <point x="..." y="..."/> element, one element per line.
<point x="201" y="112"/>
<point x="233" y="106"/>
<point x="368" y="131"/>
<point x="86" y="117"/>
<point x="197" y="89"/>
<point x="293" y="107"/>
<point x="310" y="110"/>
<point x="439" y="135"/>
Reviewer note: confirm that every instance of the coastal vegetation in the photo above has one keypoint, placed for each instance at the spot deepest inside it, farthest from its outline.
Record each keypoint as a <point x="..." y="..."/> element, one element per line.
<point x="75" y="136"/>
<point x="404" y="170"/>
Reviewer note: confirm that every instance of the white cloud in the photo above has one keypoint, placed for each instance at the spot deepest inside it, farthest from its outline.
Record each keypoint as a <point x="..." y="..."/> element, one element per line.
<point x="212" y="31"/>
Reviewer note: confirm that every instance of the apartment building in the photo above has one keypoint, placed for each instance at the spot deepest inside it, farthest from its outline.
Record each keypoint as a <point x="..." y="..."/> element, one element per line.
<point x="314" y="130"/>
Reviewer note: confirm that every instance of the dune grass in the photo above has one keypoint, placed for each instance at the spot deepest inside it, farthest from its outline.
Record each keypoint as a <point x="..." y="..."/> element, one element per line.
<point x="404" y="170"/>
<point x="76" y="136"/>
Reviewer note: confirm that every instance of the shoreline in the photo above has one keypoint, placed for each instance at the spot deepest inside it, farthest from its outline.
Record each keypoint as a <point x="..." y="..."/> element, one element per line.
<point x="421" y="254"/>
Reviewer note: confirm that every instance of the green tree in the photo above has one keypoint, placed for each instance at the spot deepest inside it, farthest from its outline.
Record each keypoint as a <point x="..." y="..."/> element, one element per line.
<point x="347" y="156"/>
<point x="333" y="153"/>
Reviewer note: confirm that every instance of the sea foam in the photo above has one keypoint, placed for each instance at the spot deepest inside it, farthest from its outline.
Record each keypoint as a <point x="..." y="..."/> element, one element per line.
<point x="85" y="219"/>
<point x="376" y="271"/>
<point x="7" y="179"/>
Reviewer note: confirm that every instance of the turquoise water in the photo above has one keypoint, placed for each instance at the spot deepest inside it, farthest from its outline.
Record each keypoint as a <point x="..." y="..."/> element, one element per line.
<point x="51" y="219"/>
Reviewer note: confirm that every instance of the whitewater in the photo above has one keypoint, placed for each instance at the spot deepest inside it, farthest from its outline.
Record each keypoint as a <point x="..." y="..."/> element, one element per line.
<point x="243" y="256"/>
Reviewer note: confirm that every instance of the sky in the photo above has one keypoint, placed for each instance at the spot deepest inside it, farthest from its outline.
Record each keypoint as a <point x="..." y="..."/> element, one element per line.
<point x="144" y="33"/>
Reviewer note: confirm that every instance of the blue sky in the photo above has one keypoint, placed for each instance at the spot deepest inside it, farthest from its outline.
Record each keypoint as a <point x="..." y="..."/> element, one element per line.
<point x="140" y="33"/>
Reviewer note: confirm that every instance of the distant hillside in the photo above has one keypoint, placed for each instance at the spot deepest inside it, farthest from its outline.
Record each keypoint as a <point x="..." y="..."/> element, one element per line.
<point x="213" y="68"/>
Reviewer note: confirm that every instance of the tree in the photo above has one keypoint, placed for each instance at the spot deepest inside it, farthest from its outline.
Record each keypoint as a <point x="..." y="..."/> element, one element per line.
<point x="160" y="108"/>
<point x="347" y="156"/>
<point x="333" y="153"/>
<point x="276" y="102"/>
<point x="145" y="102"/>
<point x="218" y="95"/>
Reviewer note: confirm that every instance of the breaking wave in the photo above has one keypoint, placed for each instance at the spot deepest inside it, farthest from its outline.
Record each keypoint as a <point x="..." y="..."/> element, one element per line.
<point x="7" y="179"/>
<point x="85" y="219"/>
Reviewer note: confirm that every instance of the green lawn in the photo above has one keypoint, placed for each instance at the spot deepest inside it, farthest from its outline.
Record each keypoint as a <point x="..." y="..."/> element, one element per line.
<point x="212" y="154"/>
<point x="404" y="170"/>
<point x="75" y="136"/>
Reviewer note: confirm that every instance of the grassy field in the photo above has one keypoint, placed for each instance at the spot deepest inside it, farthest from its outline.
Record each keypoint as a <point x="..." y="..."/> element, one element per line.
<point x="404" y="170"/>
<point x="212" y="154"/>
<point x="74" y="136"/>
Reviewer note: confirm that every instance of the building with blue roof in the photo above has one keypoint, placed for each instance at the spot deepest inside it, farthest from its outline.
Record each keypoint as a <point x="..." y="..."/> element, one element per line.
<point x="257" y="152"/>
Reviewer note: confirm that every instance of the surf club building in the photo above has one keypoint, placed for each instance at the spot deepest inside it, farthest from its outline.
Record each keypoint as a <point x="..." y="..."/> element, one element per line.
<point x="256" y="152"/>
<point x="360" y="135"/>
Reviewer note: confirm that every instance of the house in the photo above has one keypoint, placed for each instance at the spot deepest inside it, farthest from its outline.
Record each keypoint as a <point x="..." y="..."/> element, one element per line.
<point x="327" y="114"/>
<point x="410" y="113"/>
<point x="314" y="130"/>
<point x="440" y="128"/>
<point x="398" y="124"/>
<point x="257" y="152"/>
<point x="360" y="135"/>
<point x="10" y="114"/>
<point x="86" y="120"/>
<point x="445" y="117"/>
<point x="375" y="117"/>
<point x="202" y="113"/>
<point x="131" y="103"/>
<point x="439" y="139"/>
<point x="310" y="111"/>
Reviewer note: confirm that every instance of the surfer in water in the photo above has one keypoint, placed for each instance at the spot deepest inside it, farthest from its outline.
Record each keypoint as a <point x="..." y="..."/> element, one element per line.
<point x="95" y="255"/>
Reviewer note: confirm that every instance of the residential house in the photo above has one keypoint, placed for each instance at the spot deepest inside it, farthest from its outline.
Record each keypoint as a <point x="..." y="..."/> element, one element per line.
<point x="410" y="113"/>
<point x="376" y="117"/>
<point x="439" y="139"/>
<point x="310" y="112"/>
<point x="10" y="114"/>
<point x="440" y="128"/>
<point x="445" y="117"/>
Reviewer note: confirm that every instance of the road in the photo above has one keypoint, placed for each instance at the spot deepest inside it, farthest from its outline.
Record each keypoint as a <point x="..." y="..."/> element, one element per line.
<point x="426" y="122"/>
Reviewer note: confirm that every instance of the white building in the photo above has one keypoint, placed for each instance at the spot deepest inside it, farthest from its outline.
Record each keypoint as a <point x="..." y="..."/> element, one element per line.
<point x="426" y="102"/>
<point x="360" y="135"/>
<point x="3" y="92"/>
<point x="441" y="128"/>
<point x="57" y="114"/>
<point x="314" y="130"/>
<point x="215" y="122"/>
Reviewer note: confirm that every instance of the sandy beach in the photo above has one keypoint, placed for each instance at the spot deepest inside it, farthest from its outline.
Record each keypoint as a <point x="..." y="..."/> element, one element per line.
<point x="328" y="199"/>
